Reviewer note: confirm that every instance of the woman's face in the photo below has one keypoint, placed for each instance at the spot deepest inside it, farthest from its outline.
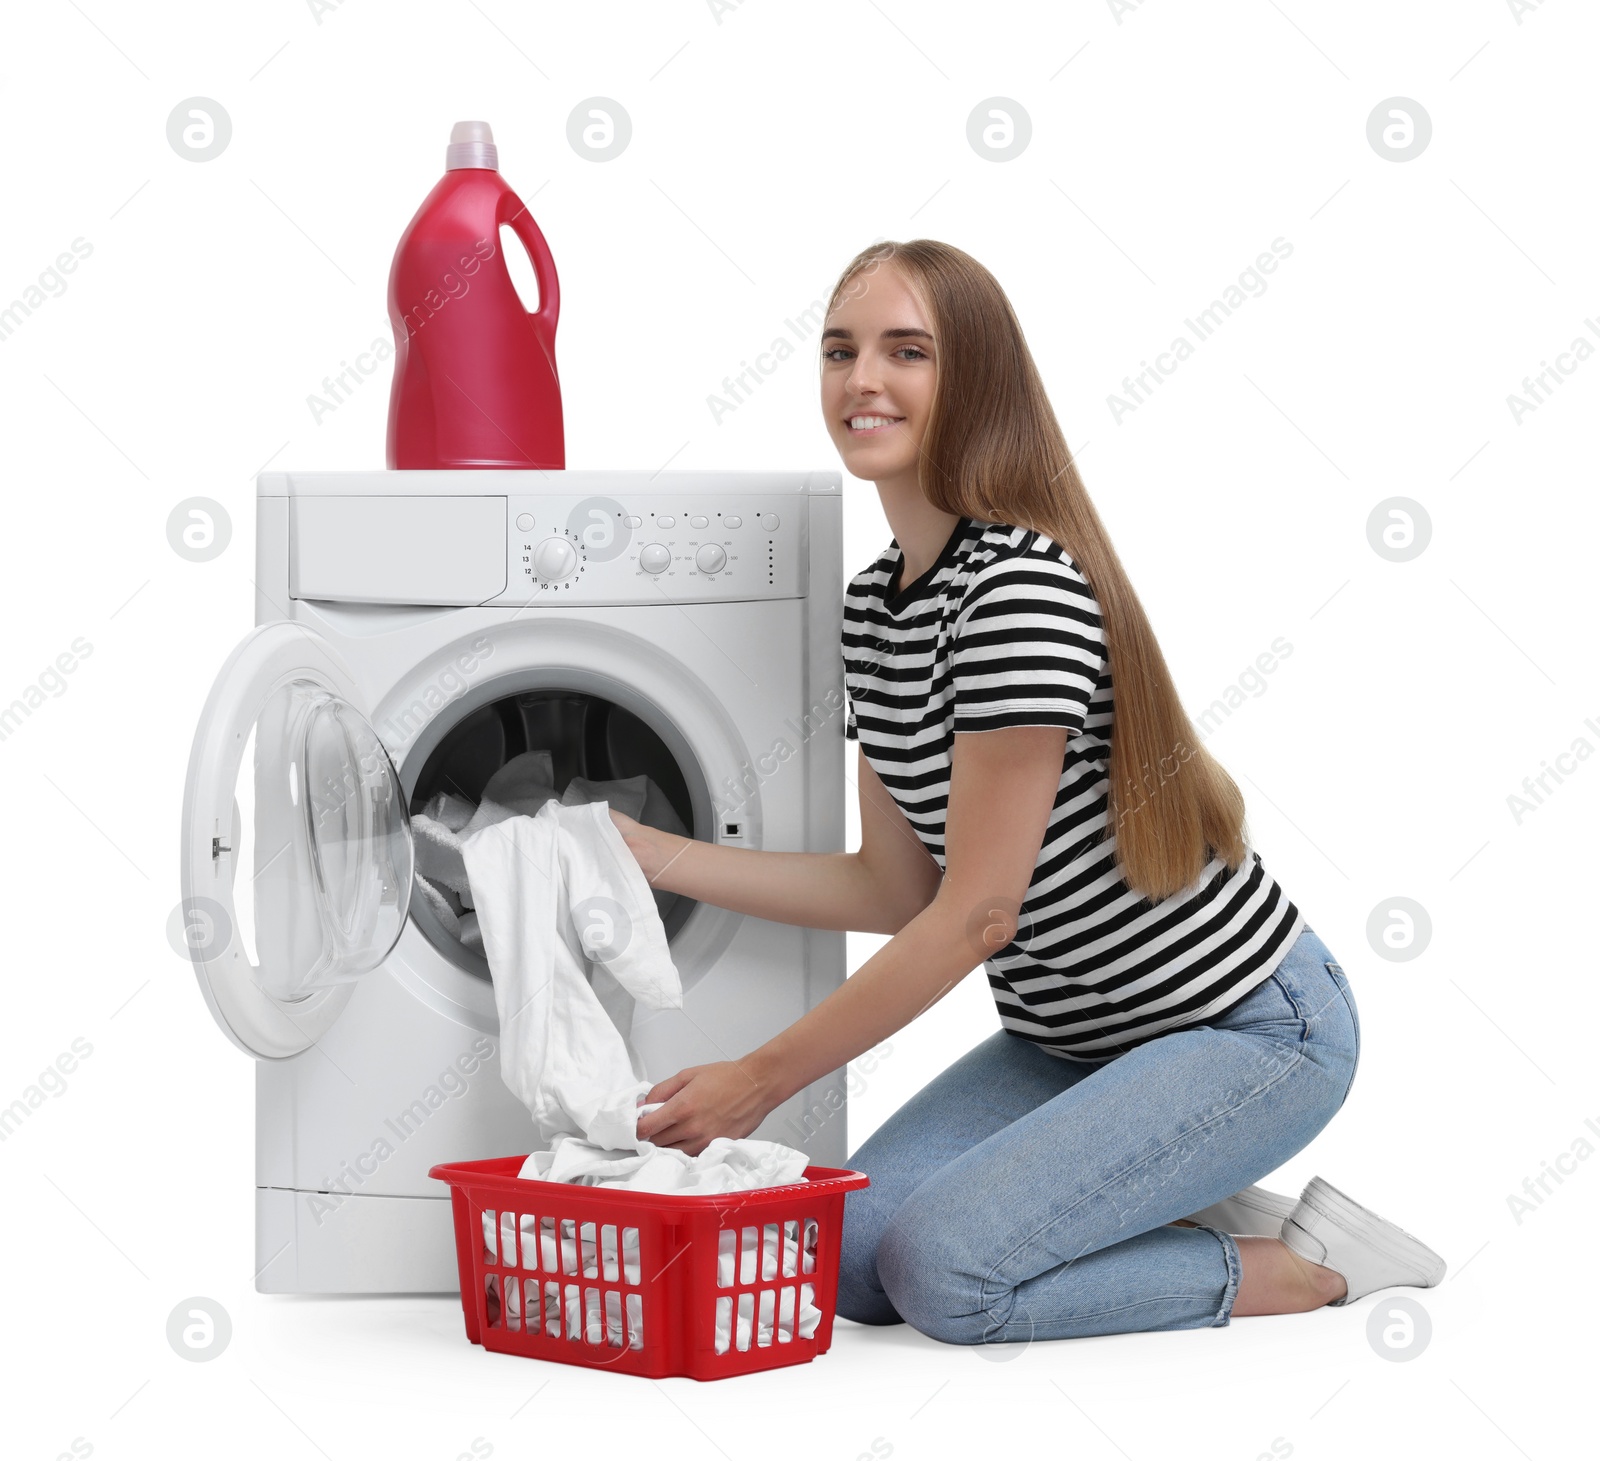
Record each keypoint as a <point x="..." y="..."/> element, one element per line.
<point x="877" y="375"/>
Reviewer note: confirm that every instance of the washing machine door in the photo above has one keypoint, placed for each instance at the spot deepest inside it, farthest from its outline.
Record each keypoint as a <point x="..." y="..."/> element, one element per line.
<point x="316" y="869"/>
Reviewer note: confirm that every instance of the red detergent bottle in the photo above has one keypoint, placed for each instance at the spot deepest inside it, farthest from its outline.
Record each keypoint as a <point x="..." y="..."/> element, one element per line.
<point x="475" y="381"/>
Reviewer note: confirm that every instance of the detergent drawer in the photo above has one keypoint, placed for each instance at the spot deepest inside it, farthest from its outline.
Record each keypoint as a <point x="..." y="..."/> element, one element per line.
<point x="397" y="550"/>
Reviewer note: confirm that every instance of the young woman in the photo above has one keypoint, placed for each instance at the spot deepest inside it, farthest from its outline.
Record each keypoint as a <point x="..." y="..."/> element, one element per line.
<point x="1171" y="1028"/>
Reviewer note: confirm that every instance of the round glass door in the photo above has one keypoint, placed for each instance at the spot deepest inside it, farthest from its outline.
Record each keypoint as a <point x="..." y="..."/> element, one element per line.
<point x="297" y="853"/>
<point x="332" y="862"/>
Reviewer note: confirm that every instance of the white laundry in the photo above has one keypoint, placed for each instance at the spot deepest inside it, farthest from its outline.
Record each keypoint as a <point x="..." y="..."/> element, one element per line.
<point x="722" y="1165"/>
<point x="440" y="871"/>
<point x="608" y="1266"/>
<point x="444" y="909"/>
<point x="561" y="901"/>
<point x="736" y="1250"/>
<point x="781" y="1259"/>
<point x="574" y="942"/>
<point x="435" y="833"/>
<point x="520" y="787"/>
<point x="805" y="1324"/>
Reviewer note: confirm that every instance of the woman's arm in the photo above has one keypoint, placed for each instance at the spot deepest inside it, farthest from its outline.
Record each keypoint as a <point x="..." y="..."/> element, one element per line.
<point x="1003" y="786"/>
<point x="876" y="890"/>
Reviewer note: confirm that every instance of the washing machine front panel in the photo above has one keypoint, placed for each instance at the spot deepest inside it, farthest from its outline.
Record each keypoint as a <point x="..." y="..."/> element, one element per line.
<point x="319" y="871"/>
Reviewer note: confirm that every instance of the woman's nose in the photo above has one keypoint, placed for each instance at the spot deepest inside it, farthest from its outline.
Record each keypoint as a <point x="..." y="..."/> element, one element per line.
<point x="863" y="379"/>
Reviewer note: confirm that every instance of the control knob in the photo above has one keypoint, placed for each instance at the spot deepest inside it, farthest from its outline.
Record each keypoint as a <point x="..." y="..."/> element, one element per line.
<point x="554" y="559"/>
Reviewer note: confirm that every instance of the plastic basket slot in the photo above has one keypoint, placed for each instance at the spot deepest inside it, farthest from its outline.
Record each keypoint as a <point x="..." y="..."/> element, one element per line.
<point x="490" y="1249"/>
<point x="513" y="1296"/>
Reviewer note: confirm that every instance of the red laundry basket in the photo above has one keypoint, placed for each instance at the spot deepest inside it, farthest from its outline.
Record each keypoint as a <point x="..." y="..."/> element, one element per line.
<point x="648" y="1283"/>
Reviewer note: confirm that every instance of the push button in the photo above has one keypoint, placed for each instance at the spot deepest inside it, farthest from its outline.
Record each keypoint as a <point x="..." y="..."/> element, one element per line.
<point x="524" y="522"/>
<point x="665" y="522"/>
<point x="768" y="521"/>
<point x="733" y="520"/>
<point x="633" y="522"/>
<point x="699" y="520"/>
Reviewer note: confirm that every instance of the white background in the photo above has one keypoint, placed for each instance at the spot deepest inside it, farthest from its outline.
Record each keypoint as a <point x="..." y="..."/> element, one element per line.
<point x="1169" y="148"/>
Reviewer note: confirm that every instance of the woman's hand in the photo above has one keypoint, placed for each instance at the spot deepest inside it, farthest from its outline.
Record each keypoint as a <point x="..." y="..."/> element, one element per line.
<point x="650" y="846"/>
<point x="702" y="1102"/>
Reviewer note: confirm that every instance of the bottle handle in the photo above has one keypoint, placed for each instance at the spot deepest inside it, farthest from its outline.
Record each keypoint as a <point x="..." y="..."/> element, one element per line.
<point x="548" y="314"/>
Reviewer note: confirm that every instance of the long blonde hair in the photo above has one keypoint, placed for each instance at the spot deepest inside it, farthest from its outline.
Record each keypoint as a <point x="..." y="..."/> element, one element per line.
<point x="993" y="450"/>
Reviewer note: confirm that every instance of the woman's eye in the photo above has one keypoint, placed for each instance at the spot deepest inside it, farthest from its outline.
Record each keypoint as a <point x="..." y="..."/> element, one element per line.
<point x="839" y="350"/>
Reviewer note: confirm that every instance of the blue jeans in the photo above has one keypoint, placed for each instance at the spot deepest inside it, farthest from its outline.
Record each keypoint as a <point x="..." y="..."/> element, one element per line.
<point x="1022" y="1196"/>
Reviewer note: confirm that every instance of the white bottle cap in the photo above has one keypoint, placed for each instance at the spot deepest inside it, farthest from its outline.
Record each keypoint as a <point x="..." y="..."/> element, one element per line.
<point x="471" y="145"/>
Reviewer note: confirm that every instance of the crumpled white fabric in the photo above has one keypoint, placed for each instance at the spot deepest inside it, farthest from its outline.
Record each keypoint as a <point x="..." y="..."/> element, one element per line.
<point x="767" y="1269"/>
<point x="802" y="1320"/>
<point x="558" y="908"/>
<point x="520" y="787"/>
<point x="574" y="942"/>
<point x="724" y="1164"/>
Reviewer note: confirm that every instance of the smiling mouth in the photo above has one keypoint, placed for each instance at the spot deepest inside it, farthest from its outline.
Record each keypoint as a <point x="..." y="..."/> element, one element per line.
<point x="872" y="425"/>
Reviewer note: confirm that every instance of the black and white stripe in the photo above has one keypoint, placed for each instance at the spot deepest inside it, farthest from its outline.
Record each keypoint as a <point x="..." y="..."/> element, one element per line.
<point x="1003" y="630"/>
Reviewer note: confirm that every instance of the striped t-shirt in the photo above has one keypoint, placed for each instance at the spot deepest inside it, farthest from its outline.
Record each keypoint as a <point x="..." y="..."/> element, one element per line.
<point x="1003" y="630"/>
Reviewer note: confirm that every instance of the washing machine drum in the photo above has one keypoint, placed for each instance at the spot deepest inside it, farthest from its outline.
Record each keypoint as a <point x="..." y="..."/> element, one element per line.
<point x="585" y="736"/>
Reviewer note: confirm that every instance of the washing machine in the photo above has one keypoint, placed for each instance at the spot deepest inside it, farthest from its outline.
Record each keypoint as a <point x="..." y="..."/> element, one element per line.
<point x="414" y="632"/>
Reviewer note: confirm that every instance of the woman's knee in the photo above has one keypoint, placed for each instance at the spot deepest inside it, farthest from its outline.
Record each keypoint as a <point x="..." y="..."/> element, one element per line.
<point x="929" y="1283"/>
<point x="860" y="1295"/>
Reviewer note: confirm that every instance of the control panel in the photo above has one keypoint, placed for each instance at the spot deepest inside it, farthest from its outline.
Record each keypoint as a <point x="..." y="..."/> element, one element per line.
<point x="675" y="547"/>
<point x="524" y="538"/>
